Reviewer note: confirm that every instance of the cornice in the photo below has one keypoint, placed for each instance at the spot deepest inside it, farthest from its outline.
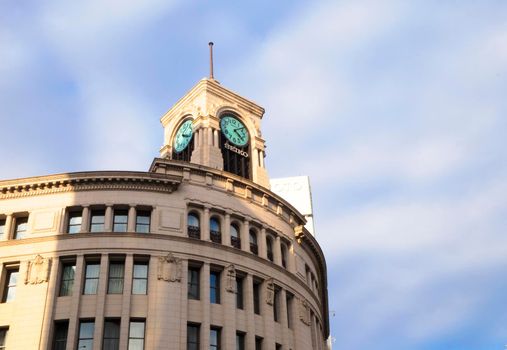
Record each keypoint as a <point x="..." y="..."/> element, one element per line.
<point x="88" y="181"/>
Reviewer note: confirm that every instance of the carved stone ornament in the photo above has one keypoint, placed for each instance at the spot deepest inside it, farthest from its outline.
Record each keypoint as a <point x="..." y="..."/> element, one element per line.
<point x="38" y="270"/>
<point x="169" y="268"/>
<point x="304" y="312"/>
<point x="270" y="291"/>
<point x="230" y="284"/>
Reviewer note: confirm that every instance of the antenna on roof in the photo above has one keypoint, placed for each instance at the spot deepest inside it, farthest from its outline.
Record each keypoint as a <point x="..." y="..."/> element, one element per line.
<point x="211" y="60"/>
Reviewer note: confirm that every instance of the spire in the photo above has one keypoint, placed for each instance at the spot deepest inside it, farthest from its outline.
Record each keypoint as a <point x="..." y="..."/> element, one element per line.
<point x="211" y="60"/>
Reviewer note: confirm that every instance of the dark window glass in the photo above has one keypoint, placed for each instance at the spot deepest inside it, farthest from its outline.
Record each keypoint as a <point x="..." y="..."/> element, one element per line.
<point x="284" y="255"/>
<point x="239" y="292"/>
<point x="120" y="220"/>
<point x="193" y="226"/>
<point x="276" y="306"/>
<point x="193" y="283"/>
<point x="192" y="337"/>
<point x="85" y="339"/>
<point x="97" y="219"/>
<point x="253" y="242"/>
<point x="115" y="281"/>
<point x="75" y="220"/>
<point x="214" y="287"/>
<point x="240" y="341"/>
<point x="214" y="230"/>
<point x="143" y="221"/>
<point x="11" y="281"/>
<point x="289" y="300"/>
<point x="140" y="278"/>
<point x="233" y="162"/>
<point x="269" y="248"/>
<point x="2" y="228"/>
<point x="235" y="240"/>
<point x="21" y="228"/>
<point x="257" y="297"/>
<point x="91" y="278"/>
<point x="67" y="281"/>
<point x="278" y="346"/>
<point x="258" y="343"/>
<point x="60" y="335"/>
<point x="214" y="338"/>
<point x="111" y="339"/>
<point x="136" y="335"/>
<point x="3" y="337"/>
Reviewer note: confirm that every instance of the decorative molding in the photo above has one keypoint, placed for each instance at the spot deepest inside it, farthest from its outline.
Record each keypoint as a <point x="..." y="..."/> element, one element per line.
<point x="270" y="291"/>
<point x="230" y="284"/>
<point x="169" y="268"/>
<point x="38" y="270"/>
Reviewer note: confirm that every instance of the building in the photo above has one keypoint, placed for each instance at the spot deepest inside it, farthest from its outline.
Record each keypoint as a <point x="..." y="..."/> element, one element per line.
<point x="195" y="253"/>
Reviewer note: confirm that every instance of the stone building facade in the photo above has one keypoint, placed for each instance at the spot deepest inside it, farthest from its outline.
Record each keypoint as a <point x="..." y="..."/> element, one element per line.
<point x="195" y="253"/>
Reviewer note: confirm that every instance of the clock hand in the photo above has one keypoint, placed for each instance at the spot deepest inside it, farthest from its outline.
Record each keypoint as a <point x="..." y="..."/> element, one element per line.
<point x="237" y="133"/>
<point x="186" y="135"/>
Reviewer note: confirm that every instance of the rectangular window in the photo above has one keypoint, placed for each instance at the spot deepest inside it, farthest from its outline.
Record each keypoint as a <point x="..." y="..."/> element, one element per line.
<point x="92" y="272"/>
<point x="11" y="280"/>
<point x="2" y="230"/>
<point x="193" y="283"/>
<point x="258" y="343"/>
<point x="214" y="287"/>
<point x="278" y="346"/>
<point x="75" y="220"/>
<point x="60" y="335"/>
<point x="239" y="293"/>
<point x="257" y="297"/>
<point x="111" y="340"/>
<point x="67" y="279"/>
<point x="214" y="338"/>
<point x="240" y="341"/>
<point x="120" y="220"/>
<point x="289" y="298"/>
<point x="85" y="339"/>
<point x="115" y="280"/>
<point x="3" y="337"/>
<point x="97" y="220"/>
<point x="140" y="277"/>
<point x="143" y="221"/>
<point x="136" y="335"/>
<point x="192" y="337"/>
<point x="20" y="231"/>
<point x="276" y="306"/>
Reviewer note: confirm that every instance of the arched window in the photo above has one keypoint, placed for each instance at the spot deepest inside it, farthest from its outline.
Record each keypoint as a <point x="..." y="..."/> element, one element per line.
<point x="183" y="142"/>
<point x="235" y="240"/>
<point x="214" y="230"/>
<point x="193" y="226"/>
<point x="269" y="248"/>
<point x="253" y="241"/>
<point x="284" y="255"/>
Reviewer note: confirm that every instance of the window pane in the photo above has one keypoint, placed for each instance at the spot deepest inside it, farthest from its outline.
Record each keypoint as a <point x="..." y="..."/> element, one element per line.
<point x="136" y="344"/>
<point x="60" y="335"/>
<point x="21" y="227"/>
<point x="234" y="231"/>
<point x="3" y="337"/>
<point x="85" y="344"/>
<point x="91" y="278"/>
<point x="137" y="329"/>
<point x="193" y="220"/>
<point x="214" y="287"/>
<point x="97" y="221"/>
<point x="139" y="286"/>
<point x="86" y="330"/>
<point x="67" y="282"/>
<point x="2" y="229"/>
<point x="116" y="271"/>
<point x="140" y="271"/>
<point x="214" y="225"/>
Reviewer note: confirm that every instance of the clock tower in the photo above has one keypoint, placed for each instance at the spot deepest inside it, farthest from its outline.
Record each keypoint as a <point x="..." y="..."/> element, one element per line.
<point x="215" y="127"/>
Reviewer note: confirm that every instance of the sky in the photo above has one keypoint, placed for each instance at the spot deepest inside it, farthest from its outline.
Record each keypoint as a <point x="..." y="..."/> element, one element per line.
<point x="397" y="110"/>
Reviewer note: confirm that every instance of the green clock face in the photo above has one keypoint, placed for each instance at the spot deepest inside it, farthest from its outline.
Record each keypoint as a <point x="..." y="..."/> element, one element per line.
<point x="234" y="130"/>
<point x="183" y="136"/>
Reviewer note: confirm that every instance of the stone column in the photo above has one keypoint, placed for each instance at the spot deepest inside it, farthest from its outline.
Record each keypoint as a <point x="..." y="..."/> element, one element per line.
<point x="215" y="138"/>
<point x="205" y="236"/>
<point x="85" y="219"/>
<point x="245" y="239"/>
<point x="291" y="263"/>
<point x="108" y="219"/>
<point x="249" y="311"/>
<point x="126" y="296"/>
<point x="196" y="139"/>
<point x="131" y="223"/>
<point x="269" y="322"/>
<point x="277" y="251"/>
<point x="8" y="227"/>
<point x="226" y="232"/>
<point x="50" y="300"/>
<point x="262" y="243"/>
<point x="73" y="330"/>
<point x="283" y="318"/>
<point x="210" y="136"/>
<point x="101" y="301"/>
<point x="205" y="305"/>
<point x="229" y="314"/>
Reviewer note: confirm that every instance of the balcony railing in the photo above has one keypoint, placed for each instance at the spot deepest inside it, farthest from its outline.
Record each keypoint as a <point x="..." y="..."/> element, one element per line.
<point x="194" y="232"/>
<point x="215" y="236"/>
<point x="236" y="242"/>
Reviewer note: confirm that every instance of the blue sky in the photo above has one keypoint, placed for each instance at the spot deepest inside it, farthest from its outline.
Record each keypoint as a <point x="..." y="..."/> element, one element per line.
<point x="397" y="110"/>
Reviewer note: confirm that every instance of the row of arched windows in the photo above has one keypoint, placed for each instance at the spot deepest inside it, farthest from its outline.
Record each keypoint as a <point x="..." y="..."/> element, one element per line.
<point x="215" y="235"/>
